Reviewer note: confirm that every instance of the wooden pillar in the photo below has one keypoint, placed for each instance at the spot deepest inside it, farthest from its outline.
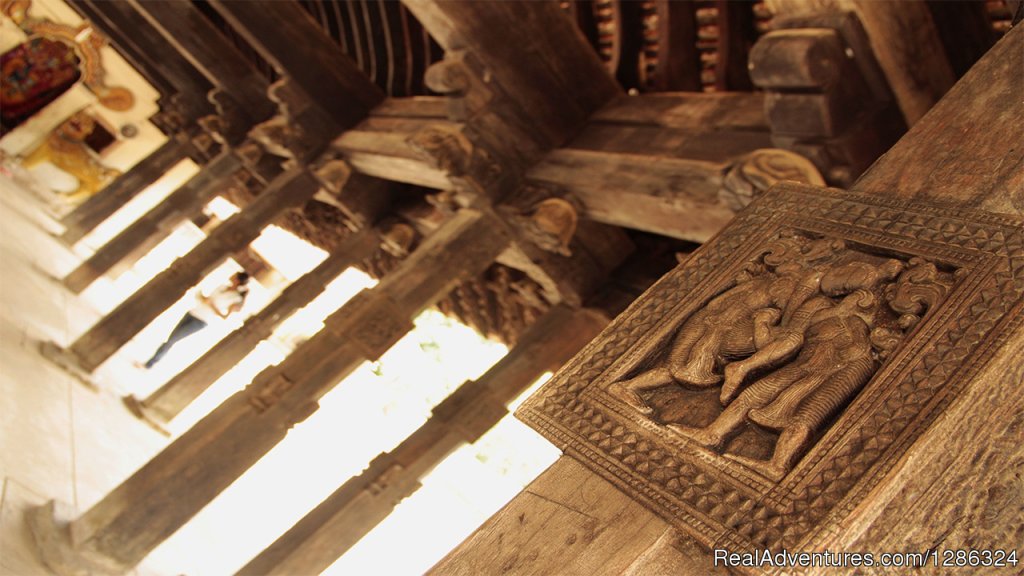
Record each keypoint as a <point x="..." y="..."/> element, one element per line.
<point x="906" y="42"/>
<point x="352" y="511"/>
<point x="524" y="79"/>
<point x="98" y="207"/>
<point x="91" y="349"/>
<point x="916" y="450"/>
<point x="172" y="487"/>
<point x="169" y="400"/>
<point x="152" y="227"/>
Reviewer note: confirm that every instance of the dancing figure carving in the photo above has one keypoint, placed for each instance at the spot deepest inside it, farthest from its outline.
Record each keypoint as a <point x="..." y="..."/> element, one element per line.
<point x="791" y="343"/>
<point x="727" y="327"/>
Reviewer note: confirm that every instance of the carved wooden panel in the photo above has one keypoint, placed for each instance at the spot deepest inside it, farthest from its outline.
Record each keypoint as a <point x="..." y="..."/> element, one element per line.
<point x="757" y="393"/>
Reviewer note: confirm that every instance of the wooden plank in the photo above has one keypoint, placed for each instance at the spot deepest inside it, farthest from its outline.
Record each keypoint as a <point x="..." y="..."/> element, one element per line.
<point x="696" y="111"/>
<point x="627" y="43"/>
<point x="678" y="66"/>
<point x="654" y="194"/>
<point x="970" y="151"/>
<point x="735" y="36"/>
<point x="389" y="156"/>
<point x="567" y="521"/>
<point x="711" y="146"/>
<point x="964" y="29"/>
<point x="413" y="107"/>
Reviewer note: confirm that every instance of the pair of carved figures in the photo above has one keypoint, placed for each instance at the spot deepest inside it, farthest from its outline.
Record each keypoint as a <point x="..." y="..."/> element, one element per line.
<point x="800" y="332"/>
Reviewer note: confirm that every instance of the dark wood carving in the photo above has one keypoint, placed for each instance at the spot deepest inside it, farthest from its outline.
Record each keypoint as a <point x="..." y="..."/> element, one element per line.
<point x="756" y="394"/>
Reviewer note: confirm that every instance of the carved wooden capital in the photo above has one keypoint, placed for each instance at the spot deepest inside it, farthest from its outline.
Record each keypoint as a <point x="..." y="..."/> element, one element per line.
<point x="757" y="394"/>
<point x="445" y="147"/>
<point x="333" y="174"/>
<point x="758" y="171"/>
<point x="283" y="137"/>
<point x="398" y="239"/>
<point x="546" y="217"/>
<point x="449" y="76"/>
<point x="463" y="80"/>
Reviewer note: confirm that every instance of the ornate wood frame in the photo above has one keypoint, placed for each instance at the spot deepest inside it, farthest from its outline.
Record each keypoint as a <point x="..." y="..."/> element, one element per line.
<point x="719" y="501"/>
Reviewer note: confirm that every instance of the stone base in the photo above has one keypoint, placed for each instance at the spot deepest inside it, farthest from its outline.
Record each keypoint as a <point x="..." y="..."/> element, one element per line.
<point x="68" y="362"/>
<point x="139" y="410"/>
<point x="49" y="526"/>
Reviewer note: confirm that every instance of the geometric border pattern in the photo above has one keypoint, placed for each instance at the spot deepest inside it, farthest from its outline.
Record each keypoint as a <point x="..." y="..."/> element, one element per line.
<point x="718" y="501"/>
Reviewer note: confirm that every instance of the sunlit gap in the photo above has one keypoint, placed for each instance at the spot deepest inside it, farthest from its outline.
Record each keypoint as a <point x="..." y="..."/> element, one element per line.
<point x="368" y="413"/>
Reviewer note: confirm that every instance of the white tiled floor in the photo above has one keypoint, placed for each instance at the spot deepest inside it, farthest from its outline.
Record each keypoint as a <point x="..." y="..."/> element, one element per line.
<point x="58" y="439"/>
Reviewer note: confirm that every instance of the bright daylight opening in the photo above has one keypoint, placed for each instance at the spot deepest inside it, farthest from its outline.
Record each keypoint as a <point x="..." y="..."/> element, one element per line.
<point x="368" y="413"/>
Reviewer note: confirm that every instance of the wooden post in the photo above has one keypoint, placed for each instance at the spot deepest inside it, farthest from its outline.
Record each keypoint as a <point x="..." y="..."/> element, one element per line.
<point x="98" y="207"/>
<point x="905" y="41"/>
<point x="169" y="400"/>
<point x="364" y="501"/>
<point x="542" y="78"/>
<point x="899" y="442"/>
<point x="91" y="349"/>
<point x="172" y="487"/>
<point x="152" y="227"/>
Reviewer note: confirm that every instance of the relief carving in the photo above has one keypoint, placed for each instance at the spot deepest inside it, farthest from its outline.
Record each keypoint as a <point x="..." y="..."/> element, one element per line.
<point x="754" y="173"/>
<point x="865" y="332"/>
<point x="801" y="330"/>
<point x="546" y="217"/>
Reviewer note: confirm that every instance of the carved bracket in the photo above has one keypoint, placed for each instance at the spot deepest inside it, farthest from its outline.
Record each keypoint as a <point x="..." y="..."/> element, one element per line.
<point x="463" y="80"/>
<point x="471" y="168"/>
<point x="755" y="173"/>
<point x="230" y="123"/>
<point x="545" y="216"/>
